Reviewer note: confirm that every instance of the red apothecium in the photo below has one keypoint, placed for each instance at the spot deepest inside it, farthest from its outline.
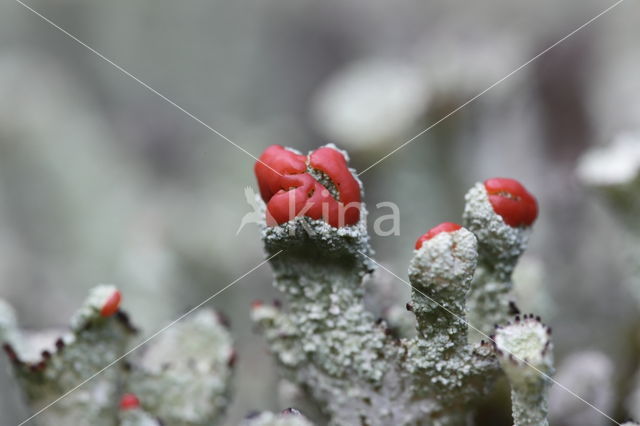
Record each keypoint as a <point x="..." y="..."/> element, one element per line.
<point x="443" y="227"/>
<point x="110" y="307"/>
<point x="129" y="401"/>
<point x="290" y="191"/>
<point x="511" y="200"/>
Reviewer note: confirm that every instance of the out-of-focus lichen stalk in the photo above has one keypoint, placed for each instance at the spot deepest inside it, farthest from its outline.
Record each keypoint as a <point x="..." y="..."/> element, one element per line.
<point x="525" y="352"/>
<point x="132" y="414"/>
<point x="99" y="335"/>
<point x="182" y="377"/>
<point x="288" y="417"/>
<point x="590" y="374"/>
<point x="613" y="171"/>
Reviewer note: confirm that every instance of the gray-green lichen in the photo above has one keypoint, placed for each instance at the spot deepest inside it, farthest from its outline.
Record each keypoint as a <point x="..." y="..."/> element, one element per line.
<point x="525" y="352"/>
<point x="444" y="366"/>
<point x="181" y="376"/>
<point x="9" y="332"/>
<point x="633" y="399"/>
<point x="93" y="343"/>
<point x="288" y="417"/>
<point x="613" y="171"/>
<point x="500" y="246"/>
<point x="590" y="374"/>
<point x="351" y="364"/>
<point x="137" y="417"/>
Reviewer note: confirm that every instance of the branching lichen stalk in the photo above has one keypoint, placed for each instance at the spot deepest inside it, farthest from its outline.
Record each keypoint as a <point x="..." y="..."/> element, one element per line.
<point x="348" y="361"/>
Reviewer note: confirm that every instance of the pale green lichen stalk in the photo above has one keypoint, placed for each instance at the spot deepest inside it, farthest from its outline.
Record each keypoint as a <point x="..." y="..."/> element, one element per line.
<point x="444" y="367"/>
<point x="181" y="377"/>
<point x="490" y="300"/>
<point x="525" y="352"/>
<point x="349" y="362"/>
<point x="137" y="417"/>
<point x="327" y="341"/>
<point x="47" y="372"/>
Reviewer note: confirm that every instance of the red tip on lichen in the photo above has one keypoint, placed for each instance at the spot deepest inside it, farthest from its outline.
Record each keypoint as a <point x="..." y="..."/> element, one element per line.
<point x="256" y="304"/>
<point x="110" y="307"/>
<point x="511" y="200"/>
<point x="443" y="227"/>
<point x="290" y="191"/>
<point x="129" y="401"/>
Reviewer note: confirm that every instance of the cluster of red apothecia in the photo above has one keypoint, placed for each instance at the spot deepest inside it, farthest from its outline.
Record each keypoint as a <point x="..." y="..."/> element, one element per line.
<point x="509" y="199"/>
<point x="290" y="191"/>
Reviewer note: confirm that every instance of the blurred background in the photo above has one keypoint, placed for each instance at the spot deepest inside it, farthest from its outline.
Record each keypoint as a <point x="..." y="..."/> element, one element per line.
<point x="102" y="181"/>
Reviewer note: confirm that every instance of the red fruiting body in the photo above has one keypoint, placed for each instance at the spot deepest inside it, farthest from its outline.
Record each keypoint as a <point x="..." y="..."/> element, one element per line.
<point x="294" y="192"/>
<point x="512" y="201"/>
<point x="333" y="164"/>
<point x="129" y="401"/>
<point x="110" y="307"/>
<point x="443" y="227"/>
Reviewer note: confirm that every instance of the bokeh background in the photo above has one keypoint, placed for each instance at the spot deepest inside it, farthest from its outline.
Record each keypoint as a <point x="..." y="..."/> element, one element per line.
<point x="102" y="181"/>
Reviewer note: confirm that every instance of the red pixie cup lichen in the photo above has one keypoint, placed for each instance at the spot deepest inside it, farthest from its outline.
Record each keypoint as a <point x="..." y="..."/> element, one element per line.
<point x="443" y="227"/>
<point x="290" y="191"/>
<point x="511" y="200"/>
<point x="129" y="401"/>
<point x="110" y="307"/>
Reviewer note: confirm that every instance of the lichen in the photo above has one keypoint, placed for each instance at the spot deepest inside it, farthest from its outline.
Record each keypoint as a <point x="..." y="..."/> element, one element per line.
<point x="182" y="377"/>
<point x="288" y="417"/>
<point x="351" y="363"/>
<point x="500" y="246"/>
<point x="93" y="343"/>
<point x="525" y="352"/>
